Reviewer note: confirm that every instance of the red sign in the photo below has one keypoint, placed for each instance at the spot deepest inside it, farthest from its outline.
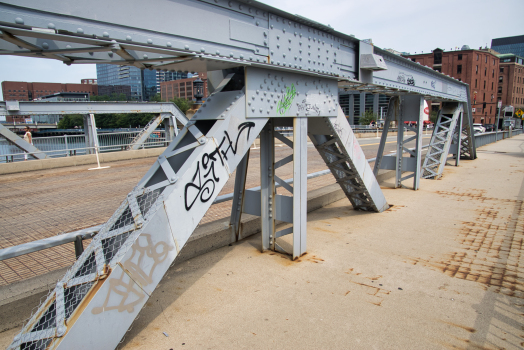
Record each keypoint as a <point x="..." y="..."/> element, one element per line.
<point x="426" y="110"/>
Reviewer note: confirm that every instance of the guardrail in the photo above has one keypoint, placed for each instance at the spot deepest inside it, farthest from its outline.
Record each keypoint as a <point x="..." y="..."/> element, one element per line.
<point x="71" y="145"/>
<point x="482" y="139"/>
<point x="77" y="236"/>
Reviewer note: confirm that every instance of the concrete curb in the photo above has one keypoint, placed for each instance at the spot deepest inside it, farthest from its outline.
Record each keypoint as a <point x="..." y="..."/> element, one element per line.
<point x="19" y="299"/>
<point x="18" y="167"/>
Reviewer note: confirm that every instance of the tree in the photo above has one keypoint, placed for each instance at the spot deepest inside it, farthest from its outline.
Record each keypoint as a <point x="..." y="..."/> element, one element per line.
<point x="368" y="117"/>
<point x="70" y="121"/>
<point x="182" y="103"/>
<point x="156" y="98"/>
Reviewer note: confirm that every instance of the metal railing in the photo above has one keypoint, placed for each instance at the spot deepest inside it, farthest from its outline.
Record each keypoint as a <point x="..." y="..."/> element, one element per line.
<point x="71" y="145"/>
<point x="482" y="139"/>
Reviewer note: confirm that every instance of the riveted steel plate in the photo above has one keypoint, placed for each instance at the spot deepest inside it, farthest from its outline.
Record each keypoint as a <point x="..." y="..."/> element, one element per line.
<point x="299" y="46"/>
<point x="401" y="74"/>
<point x="278" y="94"/>
<point x="218" y="105"/>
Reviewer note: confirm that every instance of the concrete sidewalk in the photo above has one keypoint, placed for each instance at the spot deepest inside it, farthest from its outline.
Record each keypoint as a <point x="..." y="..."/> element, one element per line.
<point x="443" y="268"/>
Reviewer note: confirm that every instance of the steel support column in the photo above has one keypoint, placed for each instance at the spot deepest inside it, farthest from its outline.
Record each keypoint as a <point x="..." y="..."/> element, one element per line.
<point x="267" y="186"/>
<point x="238" y="199"/>
<point x="299" y="186"/>
<point x="408" y="109"/>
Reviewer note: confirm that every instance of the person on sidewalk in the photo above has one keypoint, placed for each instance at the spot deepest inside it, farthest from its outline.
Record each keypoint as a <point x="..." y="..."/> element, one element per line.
<point x="28" y="137"/>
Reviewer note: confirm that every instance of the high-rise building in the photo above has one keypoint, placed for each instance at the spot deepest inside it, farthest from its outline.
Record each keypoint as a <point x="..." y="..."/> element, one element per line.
<point x="478" y="68"/>
<point x="509" y="44"/>
<point x="143" y="83"/>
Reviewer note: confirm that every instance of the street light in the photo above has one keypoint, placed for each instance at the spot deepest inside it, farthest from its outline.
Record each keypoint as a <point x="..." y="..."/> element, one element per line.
<point x="198" y="90"/>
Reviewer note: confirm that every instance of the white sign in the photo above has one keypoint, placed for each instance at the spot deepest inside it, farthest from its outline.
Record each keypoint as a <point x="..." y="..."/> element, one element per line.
<point x="500" y="104"/>
<point x="473" y="109"/>
<point x="2" y="118"/>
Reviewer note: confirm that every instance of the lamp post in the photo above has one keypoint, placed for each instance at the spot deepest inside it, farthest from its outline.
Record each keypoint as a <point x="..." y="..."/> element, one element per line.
<point x="198" y="90"/>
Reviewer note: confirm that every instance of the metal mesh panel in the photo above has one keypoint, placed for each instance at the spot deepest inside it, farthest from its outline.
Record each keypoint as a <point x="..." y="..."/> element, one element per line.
<point x="125" y="219"/>
<point x="73" y="296"/>
<point x="111" y="245"/>
<point x="88" y="267"/>
<point x="48" y="319"/>
<point x="36" y="345"/>
<point x="145" y="201"/>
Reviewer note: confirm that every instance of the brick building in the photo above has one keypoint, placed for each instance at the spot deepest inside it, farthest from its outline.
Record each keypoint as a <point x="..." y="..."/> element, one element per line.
<point x="88" y="81"/>
<point x="478" y="68"/>
<point x="23" y="91"/>
<point x="182" y="88"/>
<point x="511" y="81"/>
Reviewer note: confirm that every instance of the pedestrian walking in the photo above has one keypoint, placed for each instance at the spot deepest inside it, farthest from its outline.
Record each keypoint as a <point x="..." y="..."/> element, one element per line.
<point x="28" y="137"/>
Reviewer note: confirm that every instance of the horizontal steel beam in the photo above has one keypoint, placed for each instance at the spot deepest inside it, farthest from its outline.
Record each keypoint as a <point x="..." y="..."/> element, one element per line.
<point x="244" y="32"/>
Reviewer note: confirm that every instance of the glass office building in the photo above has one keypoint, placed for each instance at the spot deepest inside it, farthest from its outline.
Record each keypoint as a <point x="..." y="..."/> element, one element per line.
<point x="143" y="83"/>
<point x="510" y="44"/>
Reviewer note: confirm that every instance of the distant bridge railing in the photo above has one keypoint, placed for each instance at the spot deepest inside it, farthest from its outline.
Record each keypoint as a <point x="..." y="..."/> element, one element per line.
<point x="482" y="139"/>
<point x="71" y="145"/>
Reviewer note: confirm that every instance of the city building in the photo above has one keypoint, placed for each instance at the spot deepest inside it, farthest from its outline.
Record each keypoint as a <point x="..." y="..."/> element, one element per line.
<point x="478" y="68"/>
<point x="88" y="81"/>
<point x="143" y="83"/>
<point x="24" y="91"/>
<point x="66" y="97"/>
<point x="182" y="88"/>
<point x="511" y="81"/>
<point x="509" y="44"/>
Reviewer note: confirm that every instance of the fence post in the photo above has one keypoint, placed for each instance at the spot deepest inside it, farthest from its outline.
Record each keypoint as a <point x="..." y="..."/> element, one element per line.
<point x="79" y="247"/>
<point x="67" y="148"/>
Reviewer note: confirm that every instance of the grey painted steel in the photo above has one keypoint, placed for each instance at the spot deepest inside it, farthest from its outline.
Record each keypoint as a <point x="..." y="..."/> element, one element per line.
<point x="21" y="143"/>
<point x="440" y="143"/>
<point x="238" y="198"/>
<point x="403" y="109"/>
<point x="281" y="94"/>
<point x="299" y="186"/>
<point x="392" y="115"/>
<point x="245" y="33"/>
<point x="136" y="246"/>
<point x="267" y="186"/>
<point x="40" y="107"/>
<point x="338" y="146"/>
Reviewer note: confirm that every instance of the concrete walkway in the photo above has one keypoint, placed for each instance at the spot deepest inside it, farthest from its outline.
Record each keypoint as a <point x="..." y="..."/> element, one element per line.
<point x="442" y="269"/>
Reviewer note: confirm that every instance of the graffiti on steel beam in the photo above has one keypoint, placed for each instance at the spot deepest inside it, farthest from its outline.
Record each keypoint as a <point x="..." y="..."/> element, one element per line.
<point x="130" y="293"/>
<point x="406" y="79"/>
<point x="203" y="187"/>
<point x="308" y="108"/>
<point x="285" y="102"/>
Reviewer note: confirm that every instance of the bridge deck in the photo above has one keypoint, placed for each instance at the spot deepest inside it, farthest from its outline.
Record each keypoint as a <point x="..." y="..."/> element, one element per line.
<point x="443" y="268"/>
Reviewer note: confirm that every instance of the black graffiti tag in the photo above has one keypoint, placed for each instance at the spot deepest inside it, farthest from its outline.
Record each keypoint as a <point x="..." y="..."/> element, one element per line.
<point x="205" y="186"/>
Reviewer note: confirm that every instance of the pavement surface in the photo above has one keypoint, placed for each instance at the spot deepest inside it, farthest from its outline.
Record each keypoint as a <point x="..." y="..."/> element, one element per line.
<point x="443" y="268"/>
<point x="44" y="203"/>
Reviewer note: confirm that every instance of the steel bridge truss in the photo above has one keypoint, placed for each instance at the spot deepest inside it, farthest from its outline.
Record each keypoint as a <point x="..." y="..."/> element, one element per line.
<point x="167" y="112"/>
<point x="267" y="68"/>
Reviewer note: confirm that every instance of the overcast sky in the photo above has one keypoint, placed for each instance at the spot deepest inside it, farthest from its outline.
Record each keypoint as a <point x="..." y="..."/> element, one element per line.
<point x="404" y="25"/>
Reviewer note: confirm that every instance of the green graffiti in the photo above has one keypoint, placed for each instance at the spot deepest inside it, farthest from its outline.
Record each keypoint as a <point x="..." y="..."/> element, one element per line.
<point x="285" y="102"/>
